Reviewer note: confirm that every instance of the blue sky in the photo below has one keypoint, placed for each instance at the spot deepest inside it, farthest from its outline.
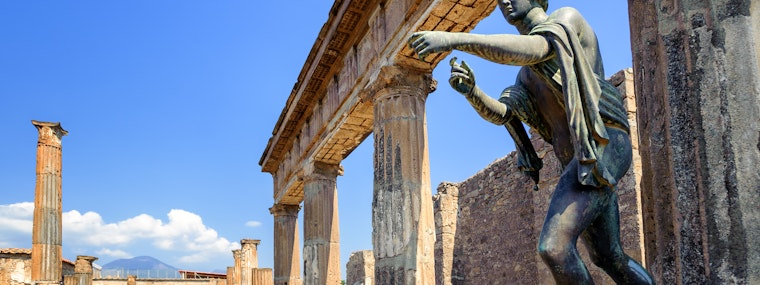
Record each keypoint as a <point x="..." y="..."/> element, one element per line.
<point x="169" y="106"/>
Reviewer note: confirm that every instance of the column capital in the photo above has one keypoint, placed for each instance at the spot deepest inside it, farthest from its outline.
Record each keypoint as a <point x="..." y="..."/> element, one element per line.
<point x="250" y="241"/>
<point x="393" y="77"/>
<point x="50" y="132"/>
<point x="84" y="264"/>
<point x="318" y="170"/>
<point x="284" y="210"/>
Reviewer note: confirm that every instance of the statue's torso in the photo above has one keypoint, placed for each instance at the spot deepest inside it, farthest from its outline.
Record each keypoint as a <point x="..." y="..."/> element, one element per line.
<point x="548" y="95"/>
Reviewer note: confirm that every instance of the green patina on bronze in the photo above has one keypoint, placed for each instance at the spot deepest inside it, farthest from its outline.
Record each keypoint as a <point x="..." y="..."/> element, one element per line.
<point x="561" y="93"/>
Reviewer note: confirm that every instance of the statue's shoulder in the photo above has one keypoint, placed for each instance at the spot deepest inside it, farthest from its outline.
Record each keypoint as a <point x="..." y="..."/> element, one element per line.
<point x="568" y="16"/>
<point x="565" y="13"/>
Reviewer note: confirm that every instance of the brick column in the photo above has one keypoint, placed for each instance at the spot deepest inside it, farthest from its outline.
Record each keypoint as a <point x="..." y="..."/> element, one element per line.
<point x="287" y="269"/>
<point x="83" y="269"/>
<point x="248" y="259"/>
<point x="403" y="232"/>
<point x="697" y="74"/>
<point x="46" y="229"/>
<point x="321" y="250"/>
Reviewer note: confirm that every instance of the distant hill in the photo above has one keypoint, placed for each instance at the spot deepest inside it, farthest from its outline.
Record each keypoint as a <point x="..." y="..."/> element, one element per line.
<point x="141" y="266"/>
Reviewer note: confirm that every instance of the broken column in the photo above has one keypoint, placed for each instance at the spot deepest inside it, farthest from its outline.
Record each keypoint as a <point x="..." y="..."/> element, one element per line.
<point x="230" y="275"/>
<point x="83" y="269"/>
<point x="132" y="280"/>
<point x="238" y="267"/>
<point x="287" y="270"/>
<point x="248" y="259"/>
<point x="360" y="269"/>
<point x="403" y="232"/>
<point x="321" y="249"/>
<point x="46" y="229"/>
<point x="446" y="204"/>
<point x="697" y="74"/>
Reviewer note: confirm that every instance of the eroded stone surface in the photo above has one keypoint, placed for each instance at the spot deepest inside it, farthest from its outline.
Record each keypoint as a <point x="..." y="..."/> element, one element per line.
<point x="697" y="67"/>
<point x="360" y="269"/>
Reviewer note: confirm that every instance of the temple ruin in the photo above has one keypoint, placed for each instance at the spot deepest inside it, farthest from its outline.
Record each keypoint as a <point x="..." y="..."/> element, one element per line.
<point x="697" y="126"/>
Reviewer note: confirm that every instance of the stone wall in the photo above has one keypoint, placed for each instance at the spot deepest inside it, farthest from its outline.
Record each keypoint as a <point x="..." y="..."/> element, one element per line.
<point x="15" y="269"/>
<point x="488" y="225"/>
<point x="138" y="281"/>
<point x="16" y="266"/>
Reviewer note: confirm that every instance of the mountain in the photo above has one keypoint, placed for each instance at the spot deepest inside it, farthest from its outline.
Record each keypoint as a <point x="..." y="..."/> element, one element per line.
<point x="141" y="266"/>
<point x="139" y="263"/>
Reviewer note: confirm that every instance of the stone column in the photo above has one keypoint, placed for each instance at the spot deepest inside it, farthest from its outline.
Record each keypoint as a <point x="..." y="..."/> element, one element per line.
<point x="262" y="276"/>
<point x="248" y="259"/>
<point x="321" y="249"/>
<point x="697" y="74"/>
<point x="236" y="276"/>
<point x="83" y="269"/>
<point x="445" y="205"/>
<point x="403" y="232"/>
<point x="230" y="275"/>
<point x="46" y="229"/>
<point x="360" y="269"/>
<point x="287" y="270"/>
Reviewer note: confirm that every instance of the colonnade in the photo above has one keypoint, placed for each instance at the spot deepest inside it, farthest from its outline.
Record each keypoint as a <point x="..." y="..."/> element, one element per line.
<point x="402" y="218"/>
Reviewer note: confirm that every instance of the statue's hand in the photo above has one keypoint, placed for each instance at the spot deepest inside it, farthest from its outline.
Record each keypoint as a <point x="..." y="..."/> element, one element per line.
<point x="462" y="78"/>
<point x="427" y="42"/>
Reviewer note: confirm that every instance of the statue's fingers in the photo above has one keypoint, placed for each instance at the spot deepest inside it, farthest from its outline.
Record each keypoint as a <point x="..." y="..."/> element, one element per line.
<point x="419" y="40"/>
<point x="459" y="69"/>
<point x="453" y="61"/>
<point x="465" y="66"/>
<point x="459" y="75"/>
<point x="469" y="70"/>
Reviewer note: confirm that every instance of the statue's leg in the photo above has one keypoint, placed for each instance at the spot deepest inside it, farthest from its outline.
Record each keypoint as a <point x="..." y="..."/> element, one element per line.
<point x="572" y="209"/>
<point x="602" y="238"/>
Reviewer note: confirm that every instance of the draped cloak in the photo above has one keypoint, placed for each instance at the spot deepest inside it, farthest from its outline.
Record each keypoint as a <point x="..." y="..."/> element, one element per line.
<point x="590" y="103"/>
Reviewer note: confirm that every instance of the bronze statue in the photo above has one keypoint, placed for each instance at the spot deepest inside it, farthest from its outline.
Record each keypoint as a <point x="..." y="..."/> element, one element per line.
<point x="561" y="93"/>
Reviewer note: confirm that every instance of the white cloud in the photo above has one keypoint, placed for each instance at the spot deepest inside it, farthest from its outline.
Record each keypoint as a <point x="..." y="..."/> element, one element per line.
<point x="183" y="235"/>
<point x="114" y="253"/>
<point x="253" y="224"/>
<point x="16" y="225"/>
<point x="17" y="218"/>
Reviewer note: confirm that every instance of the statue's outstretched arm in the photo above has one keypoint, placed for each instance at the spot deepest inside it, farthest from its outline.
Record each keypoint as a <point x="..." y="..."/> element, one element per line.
<point x="504" y="48"/>
<point x="463" y="80"/>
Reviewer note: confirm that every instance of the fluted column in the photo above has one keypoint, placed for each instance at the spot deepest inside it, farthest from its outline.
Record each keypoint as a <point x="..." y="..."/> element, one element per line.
<point x="403" y="232"/>
<point x="46" y="229"/>
<point x="287" y="270"/>
<point x="83" y="269"/>
<point x="238" y="267"/>
<point x="262" y="276"/>
<point x="248" y="259"/>
<point x="321" y="232"/>
<point x="230" y="275"/>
